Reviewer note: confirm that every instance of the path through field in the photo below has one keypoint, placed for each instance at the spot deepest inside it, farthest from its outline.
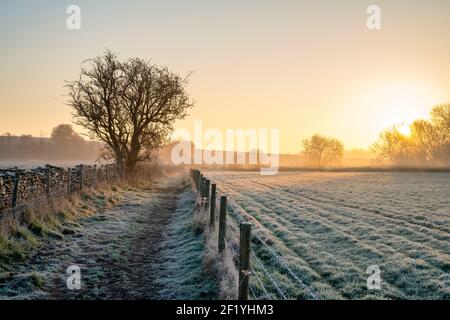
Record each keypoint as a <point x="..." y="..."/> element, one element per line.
<point x="143" y="248"/>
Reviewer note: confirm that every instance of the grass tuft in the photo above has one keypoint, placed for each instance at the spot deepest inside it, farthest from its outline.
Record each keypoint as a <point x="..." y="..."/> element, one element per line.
<point x="37" y="280"/>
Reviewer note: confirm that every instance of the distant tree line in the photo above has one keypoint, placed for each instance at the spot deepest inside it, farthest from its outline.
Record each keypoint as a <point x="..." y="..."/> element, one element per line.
<point x="428" y="143"/>
<point x="64" y="143"/>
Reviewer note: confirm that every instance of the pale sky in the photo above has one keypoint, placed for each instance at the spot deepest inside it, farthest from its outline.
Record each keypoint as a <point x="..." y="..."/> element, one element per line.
<point x="303" y="67"/>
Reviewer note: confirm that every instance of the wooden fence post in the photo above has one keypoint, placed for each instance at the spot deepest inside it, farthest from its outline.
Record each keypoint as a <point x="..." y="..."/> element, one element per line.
<point x="222" y="222"/>
<point x="108" y="173"/>
<point x="207" y="183"/>
<point x="120" y="174"/>
<point x="48" y="181"/>
<point x="200" y="185"/>
<point x="101" y="172"/>
<point x="15" y="188"/>
<point x="94" y="178"/>
<point x="69" y="178"/>
<point x="203" y="187"/>
<point x="197" y="180"/>
<point x="81" y="177"/>
<point x="212" y="214"/>
<point x="244" y="260"/>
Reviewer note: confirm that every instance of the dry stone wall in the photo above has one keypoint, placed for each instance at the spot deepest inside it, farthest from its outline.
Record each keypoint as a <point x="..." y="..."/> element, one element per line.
<point x="19" y="186"/>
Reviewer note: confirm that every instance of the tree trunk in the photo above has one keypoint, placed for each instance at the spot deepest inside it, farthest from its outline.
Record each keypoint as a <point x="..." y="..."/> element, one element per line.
<point x="119" y="162"/>
<point x="132" y="160"/>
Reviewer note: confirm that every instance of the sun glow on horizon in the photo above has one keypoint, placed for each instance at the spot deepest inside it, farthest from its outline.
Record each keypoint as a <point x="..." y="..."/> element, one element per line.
<point x="397" y="104"/>
<point x="404" y="129"/>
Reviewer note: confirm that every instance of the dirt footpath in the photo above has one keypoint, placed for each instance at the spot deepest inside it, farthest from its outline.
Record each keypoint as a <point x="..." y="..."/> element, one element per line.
<point x="143" y="248"/>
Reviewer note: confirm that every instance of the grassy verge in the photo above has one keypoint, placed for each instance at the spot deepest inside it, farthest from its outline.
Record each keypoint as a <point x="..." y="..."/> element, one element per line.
<point x="220" y="266"/>
<point x="23" y="232"/>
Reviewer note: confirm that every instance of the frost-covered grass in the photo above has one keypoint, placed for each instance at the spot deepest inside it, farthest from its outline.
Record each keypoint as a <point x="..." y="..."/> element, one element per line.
<point x="221" y="266"/>
<point x="182" y="255"/>
<point x="330" y="227"/>
<point x="23" y="232"/>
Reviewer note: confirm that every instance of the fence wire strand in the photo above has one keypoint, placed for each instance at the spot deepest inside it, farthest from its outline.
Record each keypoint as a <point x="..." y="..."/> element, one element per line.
<point x="272" y="280"/>
<point x="288" y="269"/>
<point x="258" y="279"/>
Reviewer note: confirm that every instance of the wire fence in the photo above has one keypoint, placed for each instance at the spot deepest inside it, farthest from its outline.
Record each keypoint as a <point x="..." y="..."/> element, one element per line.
<point x="263" y="284"/>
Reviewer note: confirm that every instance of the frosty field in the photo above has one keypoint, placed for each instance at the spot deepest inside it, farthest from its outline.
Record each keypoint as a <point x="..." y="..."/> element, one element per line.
<point x="330" y="227"/>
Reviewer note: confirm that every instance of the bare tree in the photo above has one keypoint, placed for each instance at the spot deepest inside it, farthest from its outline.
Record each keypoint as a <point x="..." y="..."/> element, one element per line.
<point x="441" y="117"/>
<point x="427" y="139"/>
<point x="131" y="106"/>
<point x="394" y="146"/>
<point x="322" y="151"/>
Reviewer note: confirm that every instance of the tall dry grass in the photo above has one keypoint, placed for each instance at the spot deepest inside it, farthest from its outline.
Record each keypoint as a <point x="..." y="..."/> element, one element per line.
<point x="221" y="266"/>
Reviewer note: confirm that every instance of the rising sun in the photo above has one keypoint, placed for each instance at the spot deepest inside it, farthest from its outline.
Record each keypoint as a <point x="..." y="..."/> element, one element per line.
<point x="404" y="129"/>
